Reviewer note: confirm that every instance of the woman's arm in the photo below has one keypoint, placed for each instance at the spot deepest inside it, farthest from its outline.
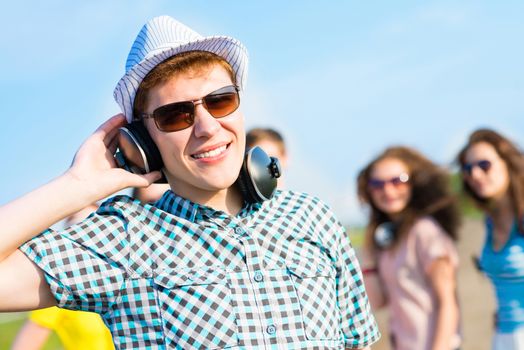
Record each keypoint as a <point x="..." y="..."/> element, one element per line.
<point x="31" y="336"/>
<point x="92" y="176"/>
<point x="376" y="295"/>
<point x="442" y="276"/>
<point x="374" y="289"/>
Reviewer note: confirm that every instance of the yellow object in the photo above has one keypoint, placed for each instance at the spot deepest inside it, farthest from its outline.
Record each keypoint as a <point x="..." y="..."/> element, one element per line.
<point x="78" y="330"/>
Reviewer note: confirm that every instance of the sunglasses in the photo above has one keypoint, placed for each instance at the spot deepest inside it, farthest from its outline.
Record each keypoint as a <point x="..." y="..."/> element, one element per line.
<point x="483" y="165"/>
<point x="181" y="115"/>
<point x="397" y="181"/>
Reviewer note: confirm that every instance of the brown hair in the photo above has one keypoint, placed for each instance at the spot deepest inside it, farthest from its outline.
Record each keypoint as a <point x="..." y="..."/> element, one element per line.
<point x="256" y="135"/>
<point x="514" y="160"/>
<point x="185" y="62"/>
<point x="430" y="195"/>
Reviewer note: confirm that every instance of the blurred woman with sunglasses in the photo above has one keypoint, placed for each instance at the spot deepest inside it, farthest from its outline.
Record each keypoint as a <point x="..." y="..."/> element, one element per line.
<point x="410" y="259"/>
<point x="493" y="176"/>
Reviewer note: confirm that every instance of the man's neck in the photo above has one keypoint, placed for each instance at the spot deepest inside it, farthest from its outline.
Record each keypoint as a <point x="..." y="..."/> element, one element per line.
<point x="229" y="200"/>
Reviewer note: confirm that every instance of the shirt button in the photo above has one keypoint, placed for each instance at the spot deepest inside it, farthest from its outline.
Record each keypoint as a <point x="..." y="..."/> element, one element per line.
<point x="239" y="230"/>
<point x="258" y="277"/>
<point x="320" y="268"/>
<point x="271" y="330"/>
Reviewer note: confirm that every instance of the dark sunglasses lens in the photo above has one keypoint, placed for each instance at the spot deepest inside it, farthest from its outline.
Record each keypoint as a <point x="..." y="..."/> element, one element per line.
<point x="485" y="165"/>
<point x="174" y="116"/>
<point x="396" y="181"/>
<point x="376" y="184"/>
<point x="222" y="104"/>
<point x="467" y="168"/>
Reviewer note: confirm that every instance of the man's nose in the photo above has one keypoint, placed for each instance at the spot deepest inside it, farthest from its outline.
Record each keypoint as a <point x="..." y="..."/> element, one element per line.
<point x="205" y="124"/>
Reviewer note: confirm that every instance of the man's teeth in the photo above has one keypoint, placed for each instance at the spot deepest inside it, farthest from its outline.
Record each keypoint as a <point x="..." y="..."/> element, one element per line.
<point x="212" y="153"/>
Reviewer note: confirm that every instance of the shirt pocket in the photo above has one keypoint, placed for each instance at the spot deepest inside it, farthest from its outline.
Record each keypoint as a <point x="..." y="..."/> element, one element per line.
<point x="196" y="309"/>
<point x="315" y="286"/>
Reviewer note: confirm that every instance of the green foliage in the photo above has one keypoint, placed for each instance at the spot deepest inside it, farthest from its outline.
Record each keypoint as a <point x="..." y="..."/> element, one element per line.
<point x="466" y="205"/>
<point x="356" y="236"/>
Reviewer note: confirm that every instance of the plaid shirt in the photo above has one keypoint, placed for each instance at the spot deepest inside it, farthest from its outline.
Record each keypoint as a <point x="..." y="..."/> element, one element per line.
<point x="179" y="275"/>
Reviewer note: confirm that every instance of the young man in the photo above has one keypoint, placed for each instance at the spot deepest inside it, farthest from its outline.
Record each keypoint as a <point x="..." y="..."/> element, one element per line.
<point x="201" y="268"/>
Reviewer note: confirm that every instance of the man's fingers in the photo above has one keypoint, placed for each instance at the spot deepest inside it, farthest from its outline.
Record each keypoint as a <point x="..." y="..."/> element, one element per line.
<point x="111" y="137"/>
<point x="108" y="130"/>
<point x="135" y="180"/>
<point x="113" y="145"/>
<point x="150" y="178"/>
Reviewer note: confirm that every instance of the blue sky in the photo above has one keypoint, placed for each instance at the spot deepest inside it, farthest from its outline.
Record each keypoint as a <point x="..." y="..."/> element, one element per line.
<point x="341" y="79"/>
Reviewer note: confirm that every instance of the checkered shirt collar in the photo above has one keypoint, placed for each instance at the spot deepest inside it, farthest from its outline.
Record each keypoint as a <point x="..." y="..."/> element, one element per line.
<point x="186" y="209"/>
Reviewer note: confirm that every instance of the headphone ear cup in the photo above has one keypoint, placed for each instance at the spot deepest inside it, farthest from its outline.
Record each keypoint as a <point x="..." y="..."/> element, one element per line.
<point x="245" y="185"/>
<point x="138" y="149"/>
<point x="384" y="235"/>
<point x="258" y="176"/>
<point x="150" y="149"/>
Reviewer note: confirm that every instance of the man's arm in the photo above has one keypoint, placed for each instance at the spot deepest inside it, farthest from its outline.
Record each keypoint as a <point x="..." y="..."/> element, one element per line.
<point x="92" y="176"/>
<point x="358" y="324"/>
<point x="23" y="285"/>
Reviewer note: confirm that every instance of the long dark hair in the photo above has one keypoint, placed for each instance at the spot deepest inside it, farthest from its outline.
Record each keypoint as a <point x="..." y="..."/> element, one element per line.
<point x="430" y="195"/>
<point x="514" y="160"/>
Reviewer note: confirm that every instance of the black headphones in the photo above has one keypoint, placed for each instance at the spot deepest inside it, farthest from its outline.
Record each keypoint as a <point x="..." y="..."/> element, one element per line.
<point x="138" y="154"/>
<point x="384" y="234"/>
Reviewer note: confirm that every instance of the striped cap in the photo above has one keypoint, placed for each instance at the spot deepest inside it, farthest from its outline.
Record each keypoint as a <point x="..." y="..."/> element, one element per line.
<point x="163" y="37"/>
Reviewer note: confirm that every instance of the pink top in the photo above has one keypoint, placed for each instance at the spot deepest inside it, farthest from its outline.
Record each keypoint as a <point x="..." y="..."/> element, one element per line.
<point x="404" y="274"/>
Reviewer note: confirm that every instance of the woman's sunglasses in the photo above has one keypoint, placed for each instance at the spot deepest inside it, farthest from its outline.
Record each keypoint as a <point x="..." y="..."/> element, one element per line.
<point x="484" y="165"/>
<point x="377" y="184"/>
<point x="181" y="115"/>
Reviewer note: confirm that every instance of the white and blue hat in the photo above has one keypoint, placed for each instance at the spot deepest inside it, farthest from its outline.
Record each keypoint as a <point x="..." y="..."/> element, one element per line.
<point x="163" y="37"/>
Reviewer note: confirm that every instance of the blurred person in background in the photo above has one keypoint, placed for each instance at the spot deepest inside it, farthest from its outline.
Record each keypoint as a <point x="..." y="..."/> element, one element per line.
<point x="493" y="176"/>
<point x="409" y="259"/>
<point x="272" y="142"/>
<point x="77" y="330"/>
